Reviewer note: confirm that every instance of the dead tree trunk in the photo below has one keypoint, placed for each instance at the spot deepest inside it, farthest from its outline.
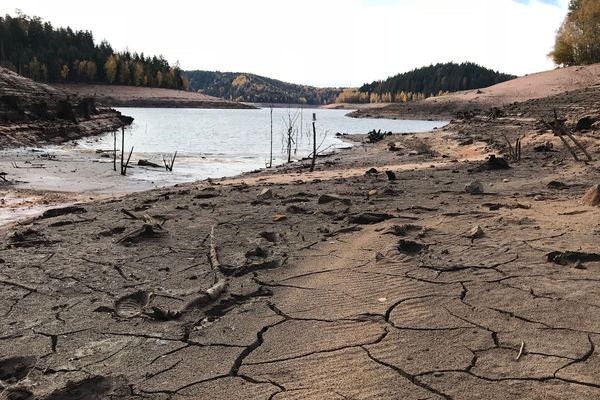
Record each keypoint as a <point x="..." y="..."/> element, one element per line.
<point x="314" y="154"/>
<point x="558" y="127"/>
<point x="122" y="147"/>
<point x="271" y="153"/>
<point x="115" y="150"/>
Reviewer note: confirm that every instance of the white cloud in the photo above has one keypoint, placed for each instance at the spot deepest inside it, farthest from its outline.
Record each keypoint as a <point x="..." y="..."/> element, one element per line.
<point x="319" y="42"/>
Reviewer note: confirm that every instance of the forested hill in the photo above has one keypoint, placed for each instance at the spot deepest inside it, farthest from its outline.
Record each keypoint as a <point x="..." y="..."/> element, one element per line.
<point x="431" y="81"/>
<point x="37" y="50"/>
<point x="257" y="89"/>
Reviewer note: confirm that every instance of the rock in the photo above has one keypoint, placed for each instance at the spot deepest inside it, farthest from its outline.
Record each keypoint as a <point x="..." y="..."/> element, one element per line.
<point x="266" y="193"/>
<point x="476" y="233"/>
<point x="474" y="187"/>
<point x="410" y="246"/>
<point x="371" y="171"/>
<point x="505" y="180"/>
<point x="55" y="212"/>
<point x="544" y="147"/>
<point x="538" y="197"/>
<point x="584" y="123"/>
<point x="393" y="146"/>
<point x="379" y="256"/>
<point x="571" y="257"/>
<point x="257" y="252"/>
<point x="592" y="196"/>
<point x="368" y="218"/>
<point x="557" y="185"/>
<point x="390" y="175"/>
<point x="372" y="192"/>
<point x="272" y="237"/>
<point x="465" y="142"/>
<point x="143" y="163"/>
<point x="493" y="163"/>
<point x="279" y="217"/>
<point x="329" y="198"/>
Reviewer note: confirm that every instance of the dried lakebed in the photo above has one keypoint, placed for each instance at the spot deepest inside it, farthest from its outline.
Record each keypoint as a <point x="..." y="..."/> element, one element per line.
<point x="331" y="285"/>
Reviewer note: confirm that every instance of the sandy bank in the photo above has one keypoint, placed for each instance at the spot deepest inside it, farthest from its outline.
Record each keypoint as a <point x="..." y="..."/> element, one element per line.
<point x="133" y="96"/>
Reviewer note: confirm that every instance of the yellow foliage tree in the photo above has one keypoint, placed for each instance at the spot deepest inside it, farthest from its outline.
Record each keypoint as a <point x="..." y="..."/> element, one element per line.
<point x="578" y="38"/>
<point x="110" y="68"/>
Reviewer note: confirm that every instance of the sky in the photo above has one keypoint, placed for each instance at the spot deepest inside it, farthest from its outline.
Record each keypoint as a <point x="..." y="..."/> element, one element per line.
<point x="319" y="42"/>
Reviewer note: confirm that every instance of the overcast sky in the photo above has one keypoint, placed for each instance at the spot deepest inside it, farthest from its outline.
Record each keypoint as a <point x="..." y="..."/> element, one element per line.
<point x="319" y="42"/>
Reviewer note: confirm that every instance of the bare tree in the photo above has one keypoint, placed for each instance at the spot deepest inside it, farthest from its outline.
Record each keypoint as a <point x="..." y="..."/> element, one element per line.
<point x="290" y="129"/>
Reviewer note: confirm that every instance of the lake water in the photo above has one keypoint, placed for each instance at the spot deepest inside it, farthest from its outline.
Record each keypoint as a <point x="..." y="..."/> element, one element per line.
<point x="216" y="143"/>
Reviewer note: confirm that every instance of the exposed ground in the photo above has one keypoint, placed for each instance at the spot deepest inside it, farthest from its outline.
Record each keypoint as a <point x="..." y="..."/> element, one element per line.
<point x="529" y="87"/>
<point x="340" y="284"/>
<point x="133" y="96"/>
<point x="32" y="113"/>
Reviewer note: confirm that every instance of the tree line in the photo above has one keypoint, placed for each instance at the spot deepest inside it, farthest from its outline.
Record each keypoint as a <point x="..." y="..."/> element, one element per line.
<point x="578" y="38"/>
<point x="35" y="49"/>
<point x="257" y="89"/>
<point x="420" y="83"/>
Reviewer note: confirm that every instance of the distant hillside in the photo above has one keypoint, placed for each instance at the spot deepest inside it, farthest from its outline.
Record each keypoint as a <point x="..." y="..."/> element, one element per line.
<point x="37" y="50"/>
<point x="253" y="88"/>
<point x="425" y="82"/>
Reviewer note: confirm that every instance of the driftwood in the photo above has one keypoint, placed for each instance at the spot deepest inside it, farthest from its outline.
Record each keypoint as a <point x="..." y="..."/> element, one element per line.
<point x="170" y="162"/>
<point x="212" y="253"/>
<point x="558" y="127"/>
<point x="521" y="350"/>
<point x="146" y="163"/>
<point x="514" y="152"/>
<point x="124" y="166"/>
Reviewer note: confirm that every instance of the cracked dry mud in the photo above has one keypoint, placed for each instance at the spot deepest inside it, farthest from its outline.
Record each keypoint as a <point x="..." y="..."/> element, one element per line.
<point x="317" y="307"/>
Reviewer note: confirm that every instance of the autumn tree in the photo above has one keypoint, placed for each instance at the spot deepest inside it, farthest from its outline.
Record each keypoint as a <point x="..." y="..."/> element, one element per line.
<point x="110" y="68"/>
<point x="64" y="72"/>
<point x="578" y="38"/>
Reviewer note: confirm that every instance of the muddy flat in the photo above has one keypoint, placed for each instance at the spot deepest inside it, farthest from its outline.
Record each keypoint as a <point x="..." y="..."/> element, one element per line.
<point x="378" y="276"/>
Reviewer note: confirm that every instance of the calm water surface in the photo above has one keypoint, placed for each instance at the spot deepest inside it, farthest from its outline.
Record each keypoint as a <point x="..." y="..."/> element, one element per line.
<point x="216" y="143"/>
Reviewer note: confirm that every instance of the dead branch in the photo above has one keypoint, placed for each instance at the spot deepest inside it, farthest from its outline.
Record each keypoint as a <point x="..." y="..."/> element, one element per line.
<point x="520" y="350"/>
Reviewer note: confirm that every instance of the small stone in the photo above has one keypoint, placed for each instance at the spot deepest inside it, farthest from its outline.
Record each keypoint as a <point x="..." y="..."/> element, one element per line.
<point x="328" y="198"/>
<point x="476" y="233"/>
<point x="538" y="197"/>
<point x="382" y="299"/>
<point x="266" y="193"/>
<point x="379" y="256"/>
<point x="372" y="192"/>
<point x="279" y="217"/>
<point x="474" y="187"/>
<point x="505" y="180"/>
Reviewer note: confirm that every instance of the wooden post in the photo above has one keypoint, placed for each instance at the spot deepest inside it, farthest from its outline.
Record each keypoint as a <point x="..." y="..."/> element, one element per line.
<point x="115" y="150"/>
<point x="122" y="146"/>
<point x="271" y="155"/>
<point x="124" y="167"/>
<point x="314" y="155"/>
